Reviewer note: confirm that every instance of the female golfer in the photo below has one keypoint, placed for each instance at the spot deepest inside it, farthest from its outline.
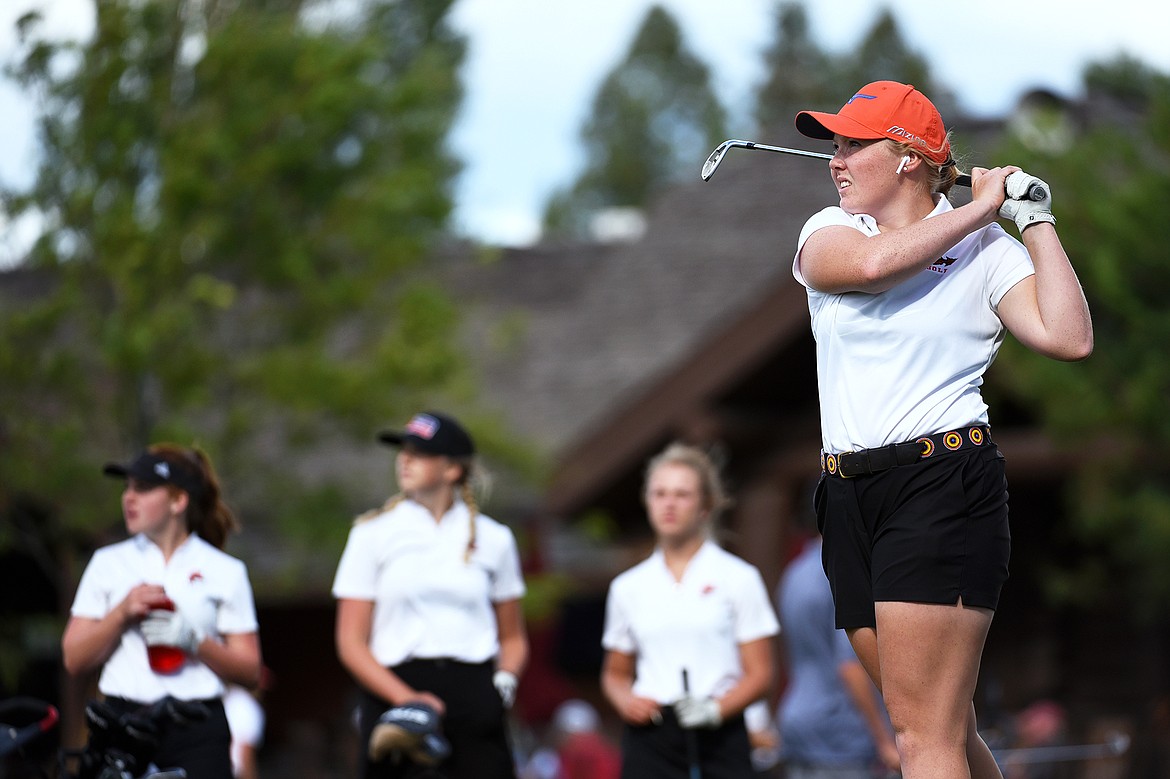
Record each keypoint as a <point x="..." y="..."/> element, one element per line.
<point x="910" y="298"/>
<point x="428" y="615"/>
<point x="688" y="634"/>
<point x="167" y="612"/>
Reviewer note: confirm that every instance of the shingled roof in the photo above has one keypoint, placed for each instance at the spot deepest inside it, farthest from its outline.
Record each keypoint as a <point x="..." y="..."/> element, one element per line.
<point x="568" y="337"/>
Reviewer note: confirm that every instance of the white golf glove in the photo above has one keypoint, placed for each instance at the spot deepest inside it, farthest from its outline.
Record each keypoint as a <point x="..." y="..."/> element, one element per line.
<point x="171" y="628"/>
<point x="1018" y="208"/>
<point x="506" y="683"/>
<point x="695" y="713"/>
<point x="1017" y="186"/>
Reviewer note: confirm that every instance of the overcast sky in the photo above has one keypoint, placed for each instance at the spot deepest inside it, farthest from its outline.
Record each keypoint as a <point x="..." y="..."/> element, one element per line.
<point x="533" y="67"/>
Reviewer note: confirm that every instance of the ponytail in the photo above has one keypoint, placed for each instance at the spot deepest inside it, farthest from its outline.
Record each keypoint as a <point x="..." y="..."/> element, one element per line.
<point x="207" y="514"/>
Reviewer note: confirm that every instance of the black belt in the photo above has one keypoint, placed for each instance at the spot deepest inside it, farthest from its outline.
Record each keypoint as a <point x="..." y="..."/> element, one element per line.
<point x="868" y="461"/>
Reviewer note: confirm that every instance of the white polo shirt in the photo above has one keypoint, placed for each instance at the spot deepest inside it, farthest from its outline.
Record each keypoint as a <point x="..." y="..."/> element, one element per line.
<point x="209" y="586"/>
<point x="909" y="361"/>
<point x="695" y="624"/>
<point x="428" y="601"/>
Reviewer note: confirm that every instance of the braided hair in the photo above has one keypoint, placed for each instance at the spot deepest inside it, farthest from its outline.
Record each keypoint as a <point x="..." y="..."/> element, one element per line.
<point x="471" y="478"/>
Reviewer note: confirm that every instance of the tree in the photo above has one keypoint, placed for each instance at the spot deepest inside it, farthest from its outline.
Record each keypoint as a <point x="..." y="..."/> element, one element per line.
<point x="1109" y="190"/>
<point x="232" y="197"/>
<point x="800" y="75"/>
<point x="653" y="116"/>
<point x="885" y="56"/>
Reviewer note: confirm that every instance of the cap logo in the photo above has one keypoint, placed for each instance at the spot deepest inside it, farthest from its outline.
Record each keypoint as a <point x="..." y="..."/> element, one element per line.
<point x="423" y="425"/>
<point x="902" y="132"/>
<point x="862" y="96"/>
<point x="163" y="470"/>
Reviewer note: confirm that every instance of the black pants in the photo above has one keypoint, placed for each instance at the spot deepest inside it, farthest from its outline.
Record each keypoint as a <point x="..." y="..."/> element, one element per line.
<point x="666" y="751"/>
<point x="475" y="723"/>
<point x="202" y="748"/>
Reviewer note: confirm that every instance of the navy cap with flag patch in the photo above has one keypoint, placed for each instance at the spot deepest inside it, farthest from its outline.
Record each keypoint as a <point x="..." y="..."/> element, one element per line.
<point x="432" y="433"/>
<point x="153" y="469"/>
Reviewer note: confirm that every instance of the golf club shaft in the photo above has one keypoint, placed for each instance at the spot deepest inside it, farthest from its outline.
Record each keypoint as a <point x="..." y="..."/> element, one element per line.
<point x="1036" y="192"/>
<point x="1062" y="753"/>
<point x="692" y="742"/>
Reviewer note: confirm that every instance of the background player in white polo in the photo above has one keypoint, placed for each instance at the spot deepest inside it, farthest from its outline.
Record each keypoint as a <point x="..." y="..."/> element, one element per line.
<point x="694" y="607"/>
<point x="178" y="523"/>
<point x="428" y="606"/>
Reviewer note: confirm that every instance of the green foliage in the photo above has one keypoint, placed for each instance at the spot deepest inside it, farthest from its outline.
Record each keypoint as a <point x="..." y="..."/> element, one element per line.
<point x="1109" y="190"/>
<point x="800" y="74"/>
<point x="232" y="200"/>
<point x="885" y="55"/>
<point x="653" y="116"/>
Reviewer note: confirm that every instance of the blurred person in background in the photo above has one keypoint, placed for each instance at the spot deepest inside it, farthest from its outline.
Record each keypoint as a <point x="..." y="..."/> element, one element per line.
<point x="428" y="596"/>
<point x="831" y="719"/>
<point x="583" y="752"/>
<point x="688" y="634"/>
<point x="246" y="721"/>
<point x="167" y="611"/>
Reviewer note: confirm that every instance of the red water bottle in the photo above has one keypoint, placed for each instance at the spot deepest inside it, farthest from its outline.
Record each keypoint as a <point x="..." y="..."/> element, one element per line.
<point x="165" y="659"/>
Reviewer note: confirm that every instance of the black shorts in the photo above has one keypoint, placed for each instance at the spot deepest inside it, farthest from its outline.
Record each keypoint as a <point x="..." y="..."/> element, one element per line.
<point x="202" y="747"/>
<point x="475" y="723"/>
<point x="666" y="751"/>
<point x="932" y="532"/>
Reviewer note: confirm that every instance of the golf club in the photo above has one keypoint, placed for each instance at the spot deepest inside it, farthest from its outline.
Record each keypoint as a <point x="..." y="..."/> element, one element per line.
<point x="694" y="770"/>
<point x="1035" y="192"/>
<point x="1114" y="745"/>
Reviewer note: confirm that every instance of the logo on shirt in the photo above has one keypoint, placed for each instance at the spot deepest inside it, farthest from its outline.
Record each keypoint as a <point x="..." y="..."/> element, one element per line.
<point x="195" y="577"/>
<point x="707" y="589"/>
<point x="943" y="264"/>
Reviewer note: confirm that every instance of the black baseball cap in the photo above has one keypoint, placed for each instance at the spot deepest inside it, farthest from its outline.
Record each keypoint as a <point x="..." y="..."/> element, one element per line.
<point x="431" y="433"/>
<point x="155" y="470"/>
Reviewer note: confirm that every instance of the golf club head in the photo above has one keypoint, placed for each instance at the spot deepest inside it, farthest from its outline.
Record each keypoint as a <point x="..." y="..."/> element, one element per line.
<point x="713" y="161"/>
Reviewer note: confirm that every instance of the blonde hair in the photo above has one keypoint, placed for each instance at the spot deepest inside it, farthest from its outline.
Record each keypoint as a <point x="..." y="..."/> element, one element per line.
<point x="207" y="514"/>
<point x="942" y="175"/>
<point x="714" y="494"/>
<point x="472" y="479"/>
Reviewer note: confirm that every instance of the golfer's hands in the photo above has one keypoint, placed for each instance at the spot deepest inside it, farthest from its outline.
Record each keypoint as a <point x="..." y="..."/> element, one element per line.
<point x="506" y="684"/>
<point x="140" y="601"/>
<point x="639" y="711"/>
<point x="989" y="188"/>
<point x="1021" y="210"/>
<point x="171" y="628"/>
<point x="695" y="713"/>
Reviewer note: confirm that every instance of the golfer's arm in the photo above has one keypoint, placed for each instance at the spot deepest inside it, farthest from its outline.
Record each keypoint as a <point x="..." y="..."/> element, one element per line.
<point x="756" y="682"/>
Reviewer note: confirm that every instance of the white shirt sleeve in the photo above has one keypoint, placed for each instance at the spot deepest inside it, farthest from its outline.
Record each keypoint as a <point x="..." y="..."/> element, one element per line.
<point x="833" y="215"/>
<point x="508" y="582"/>
<point x="92" y="599"/>
<point x="755" y="617"/>
<point x="357" y="571"/>
<point x="238" y="611"/>
<point x="617" y="635"/>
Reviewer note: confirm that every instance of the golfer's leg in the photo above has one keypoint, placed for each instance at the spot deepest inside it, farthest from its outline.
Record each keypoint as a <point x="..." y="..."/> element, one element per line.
<point x="979" y="757"/>
<point x="864" y="641"/>
<point x="929" y="656"/>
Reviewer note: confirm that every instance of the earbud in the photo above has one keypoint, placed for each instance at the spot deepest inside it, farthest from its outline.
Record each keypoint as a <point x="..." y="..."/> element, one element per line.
<point x="901" y="165"/>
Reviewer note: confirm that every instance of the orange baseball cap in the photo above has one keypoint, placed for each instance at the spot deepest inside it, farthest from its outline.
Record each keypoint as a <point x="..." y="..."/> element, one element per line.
<point x="883" y="109"/>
